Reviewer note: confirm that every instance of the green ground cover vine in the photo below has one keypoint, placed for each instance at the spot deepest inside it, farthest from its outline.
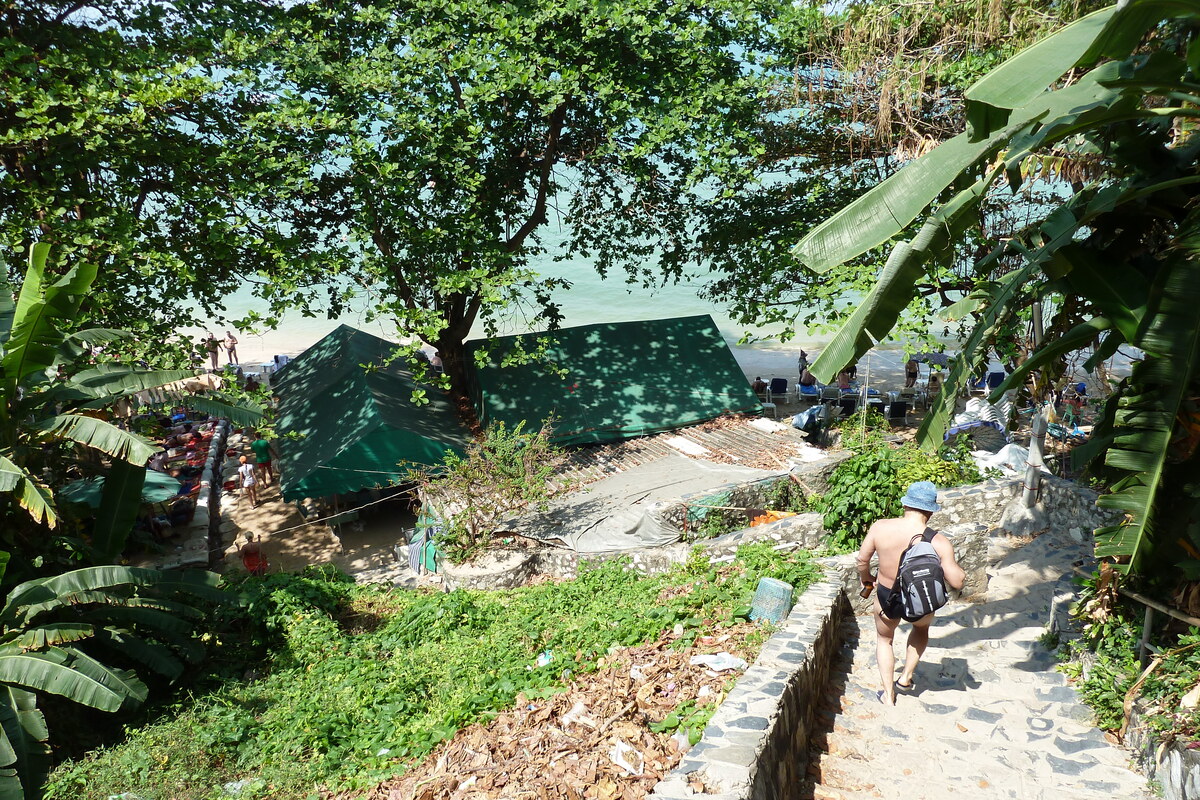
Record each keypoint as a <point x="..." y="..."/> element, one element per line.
<point x="1104" y="664"/>
<point x="341" y="685"/>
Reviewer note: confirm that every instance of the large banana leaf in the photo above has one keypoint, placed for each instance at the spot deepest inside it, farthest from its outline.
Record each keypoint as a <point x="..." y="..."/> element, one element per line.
<point x="39" y="672"/>
<point x="41" y="594"/>
<point x="53" y="633"/>
<point x="119" y="506"/>
<point x="892" y="293"/>
<point x="99" y="435"/>
<point x="24" y="745"/>
<point x="10" y="475"/>
<point x="35" y="336"/>
<point x="117" y="380"/>
<point x="1145" y="419"/>
<point x="1023" y="77"/>
<point x="31" y="496"/>
<point x="238" y="412"/>
<point x="123" y="681"/>
<point x="894" y="204"/>
<point x="152" y="655"/>
<point x="7" y="307"/>
<point x="148" y="618"/>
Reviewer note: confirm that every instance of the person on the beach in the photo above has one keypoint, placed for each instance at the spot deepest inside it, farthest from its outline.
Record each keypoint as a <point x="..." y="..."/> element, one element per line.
<point x="807" y="379"/>
<point x="231" y="347"/>
<point x="843" y="380"/>
<point x="802" y="363"/>
<point x="853" y="370"/>
<point x="263" y="453"/>
<point x="759" y="385"/>
<point x="213" y="348"/>
<point x="888" y="538"/>
<point x="249" y="484"/>
<point x="912" y="370"/>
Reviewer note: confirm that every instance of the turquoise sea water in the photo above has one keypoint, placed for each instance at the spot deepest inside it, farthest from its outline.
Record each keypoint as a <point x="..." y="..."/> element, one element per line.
<point x="591" y="299"/>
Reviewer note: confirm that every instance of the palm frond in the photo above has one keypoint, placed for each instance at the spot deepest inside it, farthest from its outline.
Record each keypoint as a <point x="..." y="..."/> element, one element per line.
<point x="1145" y="420"/>
<point x="47" y="672"/>
<point x="100" y="435"/>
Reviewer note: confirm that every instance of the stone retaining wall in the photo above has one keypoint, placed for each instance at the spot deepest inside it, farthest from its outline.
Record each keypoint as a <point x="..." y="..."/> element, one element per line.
<point x="756" y="745"/>
<point x="513" y="568"/>
<point x="1068" y="505"/>
<point x="1174" y="767"/>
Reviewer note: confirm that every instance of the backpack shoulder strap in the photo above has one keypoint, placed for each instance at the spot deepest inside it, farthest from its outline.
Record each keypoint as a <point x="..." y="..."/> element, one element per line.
<point x="928" y="535"/>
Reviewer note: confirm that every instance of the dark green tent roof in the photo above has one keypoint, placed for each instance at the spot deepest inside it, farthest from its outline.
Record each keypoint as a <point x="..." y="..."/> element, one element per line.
<point x="622" y="379"/>
<point x="357" y="424"/>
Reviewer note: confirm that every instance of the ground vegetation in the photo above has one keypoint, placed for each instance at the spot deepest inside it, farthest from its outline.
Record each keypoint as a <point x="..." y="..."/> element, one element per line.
<point x="324" y="683"/>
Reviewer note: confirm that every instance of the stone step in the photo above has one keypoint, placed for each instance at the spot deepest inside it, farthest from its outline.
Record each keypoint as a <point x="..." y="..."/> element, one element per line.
<point x="1002" y="767"/>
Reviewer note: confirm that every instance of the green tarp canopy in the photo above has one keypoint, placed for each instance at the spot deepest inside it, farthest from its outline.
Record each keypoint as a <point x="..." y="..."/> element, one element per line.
<point x="621" y="379"/>
<point x="357" y="424"/>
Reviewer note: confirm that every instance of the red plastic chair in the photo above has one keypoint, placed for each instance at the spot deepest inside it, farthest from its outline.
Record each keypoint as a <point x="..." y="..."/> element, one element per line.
<point x="253" y="559"/>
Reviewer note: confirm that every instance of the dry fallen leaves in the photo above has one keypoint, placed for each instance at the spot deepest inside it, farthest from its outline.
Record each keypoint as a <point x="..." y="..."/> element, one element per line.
<point x="561" y="747"/>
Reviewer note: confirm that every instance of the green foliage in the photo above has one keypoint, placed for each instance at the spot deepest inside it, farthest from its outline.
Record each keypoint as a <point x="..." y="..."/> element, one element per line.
<point x="504" y="473"/>
<point x="1105" y="664"/>
<point x="950" y="465"/>
<point x="1110" y="132"/>
<point x="448" y="136"/>
<point x="141" y="172"/>
<point x="54" y="392"/>
<point x="357" y="682"/>
<point x="862" y="489"/>
<point x="868" y="486"/>
<point x="74" y="635"/>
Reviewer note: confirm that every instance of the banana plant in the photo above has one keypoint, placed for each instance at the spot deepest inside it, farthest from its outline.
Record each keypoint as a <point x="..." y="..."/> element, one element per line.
<point x="1117" y="90"/>
<point x="52" y="397"/>
<point x="58" y="635"/>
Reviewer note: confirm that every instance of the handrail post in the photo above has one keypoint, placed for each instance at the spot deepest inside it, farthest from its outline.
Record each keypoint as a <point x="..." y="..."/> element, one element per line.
<point x="1034" y="464"/>
<point x="1144" y="644"/>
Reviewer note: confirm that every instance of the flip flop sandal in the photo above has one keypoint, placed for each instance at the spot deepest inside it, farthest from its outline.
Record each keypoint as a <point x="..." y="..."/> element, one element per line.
<point x="903" y="688"/>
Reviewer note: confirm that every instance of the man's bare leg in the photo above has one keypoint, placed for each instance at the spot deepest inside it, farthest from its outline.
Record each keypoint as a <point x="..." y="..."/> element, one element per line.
<point x="885" y="656"/>
<point x="918" y="640"/>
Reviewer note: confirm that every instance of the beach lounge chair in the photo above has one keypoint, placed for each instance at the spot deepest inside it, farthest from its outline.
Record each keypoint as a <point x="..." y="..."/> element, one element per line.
<point x="777" y="388"/>
<point x="809" y="394"/>
<point x="994" y="379"/>
<point x="830" y="392"/>
<point x="849" y="404"/>
<point x="897" y="412"/>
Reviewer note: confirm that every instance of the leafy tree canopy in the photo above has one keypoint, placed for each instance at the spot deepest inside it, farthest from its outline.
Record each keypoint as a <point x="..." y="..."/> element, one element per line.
<point x="442" y="141"/>
<point x="119" y="147"/>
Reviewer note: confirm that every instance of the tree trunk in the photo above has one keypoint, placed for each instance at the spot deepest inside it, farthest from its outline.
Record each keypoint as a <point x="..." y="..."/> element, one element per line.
<point x="453" y="353"/>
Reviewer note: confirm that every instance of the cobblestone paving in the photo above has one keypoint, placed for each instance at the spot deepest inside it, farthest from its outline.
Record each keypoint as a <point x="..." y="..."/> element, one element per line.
<point x="988" y="717"/>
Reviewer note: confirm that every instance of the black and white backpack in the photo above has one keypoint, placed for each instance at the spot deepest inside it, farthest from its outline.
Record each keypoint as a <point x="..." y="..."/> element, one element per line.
<point x="920" y="581"/>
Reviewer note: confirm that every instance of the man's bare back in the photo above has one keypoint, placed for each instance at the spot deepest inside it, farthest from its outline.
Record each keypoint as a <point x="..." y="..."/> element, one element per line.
<point x="888" y="538"/>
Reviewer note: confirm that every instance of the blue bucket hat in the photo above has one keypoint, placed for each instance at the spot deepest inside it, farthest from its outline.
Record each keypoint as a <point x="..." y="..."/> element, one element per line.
<point x="922" y="496"/>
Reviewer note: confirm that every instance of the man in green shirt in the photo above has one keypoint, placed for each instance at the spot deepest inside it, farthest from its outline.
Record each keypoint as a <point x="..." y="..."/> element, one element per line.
<point x="263" y="453"/>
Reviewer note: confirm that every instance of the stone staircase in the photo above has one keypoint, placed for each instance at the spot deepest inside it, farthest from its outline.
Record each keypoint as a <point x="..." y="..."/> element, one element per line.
<point x="988" y="717"/>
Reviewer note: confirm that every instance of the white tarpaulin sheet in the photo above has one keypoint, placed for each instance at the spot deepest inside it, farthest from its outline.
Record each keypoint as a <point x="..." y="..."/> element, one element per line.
<point x="625" y="511"/>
